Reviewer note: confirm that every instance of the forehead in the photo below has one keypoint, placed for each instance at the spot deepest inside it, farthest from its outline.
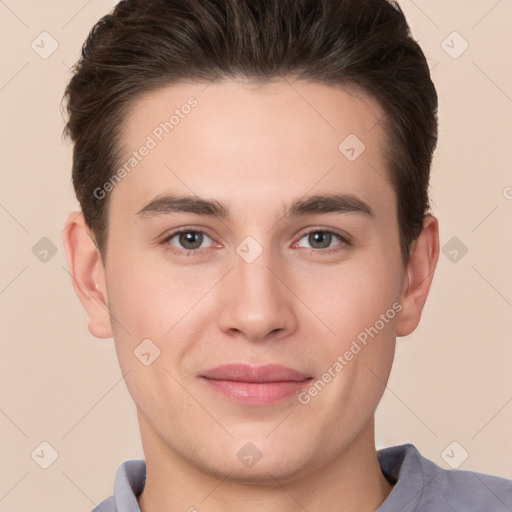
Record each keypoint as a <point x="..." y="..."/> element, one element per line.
<point x="245" y="142"/>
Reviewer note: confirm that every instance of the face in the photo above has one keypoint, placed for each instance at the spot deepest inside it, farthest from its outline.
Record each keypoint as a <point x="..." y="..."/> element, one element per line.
<point x="254" y="247"/>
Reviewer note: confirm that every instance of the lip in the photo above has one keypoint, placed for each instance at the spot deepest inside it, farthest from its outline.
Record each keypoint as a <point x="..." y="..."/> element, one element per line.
<point x="255" y="385"/>
<point x="255" y="374"/>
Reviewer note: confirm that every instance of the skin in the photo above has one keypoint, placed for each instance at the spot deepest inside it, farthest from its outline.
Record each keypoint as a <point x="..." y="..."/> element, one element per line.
<point x="255" y="150"/>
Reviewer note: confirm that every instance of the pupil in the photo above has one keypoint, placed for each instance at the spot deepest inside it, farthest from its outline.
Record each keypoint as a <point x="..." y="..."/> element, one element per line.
<point x="320" y="240"/>
<point x="191" y="240"/>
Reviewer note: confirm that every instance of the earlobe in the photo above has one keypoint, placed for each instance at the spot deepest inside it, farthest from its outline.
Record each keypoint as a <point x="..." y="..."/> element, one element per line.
<point x="87" y="274"/>
<point x="423" y="259"/>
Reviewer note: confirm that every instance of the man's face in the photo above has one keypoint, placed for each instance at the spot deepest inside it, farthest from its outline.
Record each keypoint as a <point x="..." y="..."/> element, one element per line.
<point x="274" y="276"/>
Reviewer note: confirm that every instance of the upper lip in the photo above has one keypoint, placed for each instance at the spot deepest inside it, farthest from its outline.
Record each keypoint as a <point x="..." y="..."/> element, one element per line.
<point x="248" y="373"/>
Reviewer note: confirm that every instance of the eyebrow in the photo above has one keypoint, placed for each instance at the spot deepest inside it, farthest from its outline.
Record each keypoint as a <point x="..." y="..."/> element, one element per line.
<point x="317" y="204"/>
<point x="330" y="203"/>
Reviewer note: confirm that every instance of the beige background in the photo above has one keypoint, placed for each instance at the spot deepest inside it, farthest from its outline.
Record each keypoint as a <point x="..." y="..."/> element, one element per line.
<point x="452" y="379"/>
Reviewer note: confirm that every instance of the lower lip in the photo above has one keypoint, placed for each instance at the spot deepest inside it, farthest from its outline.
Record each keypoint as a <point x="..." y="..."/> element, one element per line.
<point x="256" y="393"/>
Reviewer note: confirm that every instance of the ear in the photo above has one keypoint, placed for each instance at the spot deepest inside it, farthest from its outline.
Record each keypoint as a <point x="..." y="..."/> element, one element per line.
<point x="419" y="274"/>
<point x="87" y="274"/>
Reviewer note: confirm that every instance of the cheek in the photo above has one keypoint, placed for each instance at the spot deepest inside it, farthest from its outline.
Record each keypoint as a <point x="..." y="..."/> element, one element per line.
<point x="156" y="301"/>
<point x="149" y="307"/>
<point x="353" y="296"/>
<point x="150" y="296"/>
<point x="358" y="304"/>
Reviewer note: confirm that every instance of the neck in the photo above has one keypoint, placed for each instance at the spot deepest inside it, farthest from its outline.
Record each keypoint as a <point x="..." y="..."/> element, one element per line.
<point x="352" y="480"/>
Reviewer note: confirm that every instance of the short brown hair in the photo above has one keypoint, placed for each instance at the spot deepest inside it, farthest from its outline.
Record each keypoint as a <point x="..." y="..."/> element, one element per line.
<point x="148" y="44"/>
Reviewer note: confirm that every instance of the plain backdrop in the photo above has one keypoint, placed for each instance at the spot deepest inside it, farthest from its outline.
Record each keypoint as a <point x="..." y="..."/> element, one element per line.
<point x="450" y="392"/>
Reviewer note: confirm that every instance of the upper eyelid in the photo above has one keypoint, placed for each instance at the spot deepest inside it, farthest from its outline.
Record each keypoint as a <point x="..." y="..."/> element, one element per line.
<point x="174" y="232"/>
<point x="342" y="235"/>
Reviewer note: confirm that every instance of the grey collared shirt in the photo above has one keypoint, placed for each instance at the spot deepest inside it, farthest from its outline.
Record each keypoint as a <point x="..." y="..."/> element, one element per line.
<point x="419" y="486"/>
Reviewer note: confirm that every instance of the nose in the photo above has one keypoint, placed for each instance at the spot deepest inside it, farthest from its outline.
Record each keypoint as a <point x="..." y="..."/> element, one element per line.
<point x="256" y="303"/>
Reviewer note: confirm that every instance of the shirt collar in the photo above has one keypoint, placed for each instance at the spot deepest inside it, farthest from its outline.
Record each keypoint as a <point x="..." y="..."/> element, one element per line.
<point x="402" y="466"/>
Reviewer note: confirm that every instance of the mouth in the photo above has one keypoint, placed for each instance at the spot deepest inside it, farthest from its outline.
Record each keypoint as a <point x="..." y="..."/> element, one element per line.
<point x="260" y="385"/>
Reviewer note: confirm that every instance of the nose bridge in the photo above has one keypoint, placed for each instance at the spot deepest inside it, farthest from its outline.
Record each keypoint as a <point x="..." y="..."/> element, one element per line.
<point x="256" y="303"/>
<point x="256" y="279"/>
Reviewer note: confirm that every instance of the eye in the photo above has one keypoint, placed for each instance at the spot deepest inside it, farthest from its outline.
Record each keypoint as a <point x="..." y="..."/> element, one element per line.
<point x="189" y="240"/>
<point x="321" y="240"/>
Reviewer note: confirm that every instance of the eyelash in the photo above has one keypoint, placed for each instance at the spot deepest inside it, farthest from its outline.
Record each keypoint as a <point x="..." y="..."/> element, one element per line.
<point x="343" y="241"/>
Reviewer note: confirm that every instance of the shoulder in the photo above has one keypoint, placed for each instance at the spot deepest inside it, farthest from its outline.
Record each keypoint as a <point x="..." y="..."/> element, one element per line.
<point x="129" y="482"/>
<point x="420" y="484"/>
<point x="107" y="505"/>
<point x="469" y="490"/>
